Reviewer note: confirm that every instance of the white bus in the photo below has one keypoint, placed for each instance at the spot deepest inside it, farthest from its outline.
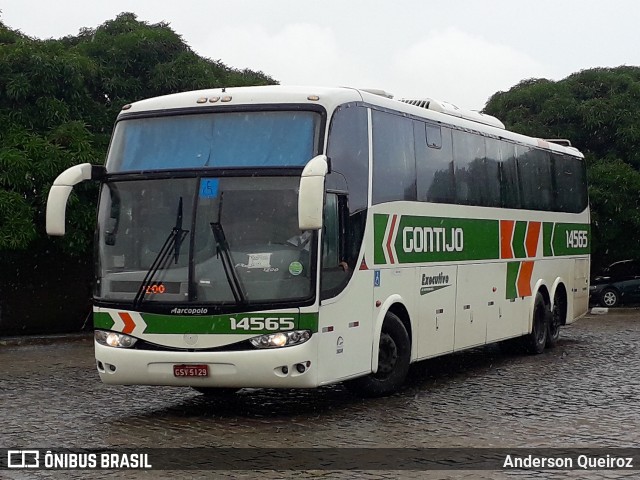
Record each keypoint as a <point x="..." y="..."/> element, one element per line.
<point x="298" y="237"/>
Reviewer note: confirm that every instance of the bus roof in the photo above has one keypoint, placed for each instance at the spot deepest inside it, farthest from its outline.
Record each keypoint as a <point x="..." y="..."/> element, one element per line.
<point x="331" y="97"/>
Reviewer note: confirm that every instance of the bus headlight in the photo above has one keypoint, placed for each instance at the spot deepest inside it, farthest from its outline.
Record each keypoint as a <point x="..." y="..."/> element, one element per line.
<point x="281" y="339"/>
<point x="114" y="339"/>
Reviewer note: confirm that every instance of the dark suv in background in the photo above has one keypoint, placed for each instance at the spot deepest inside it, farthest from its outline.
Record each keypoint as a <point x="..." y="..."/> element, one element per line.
<point x="618" y="283"/>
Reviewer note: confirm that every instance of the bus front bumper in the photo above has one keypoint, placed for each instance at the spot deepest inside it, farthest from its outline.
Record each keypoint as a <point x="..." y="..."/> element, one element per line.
<point x="268" y="368"/>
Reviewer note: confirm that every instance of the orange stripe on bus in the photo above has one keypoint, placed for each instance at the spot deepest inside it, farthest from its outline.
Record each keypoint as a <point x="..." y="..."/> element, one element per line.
<point x="129" y="324"/>
<point x="533" y="235"/>
<point x="506" y="234"/>
<point x="524" y="279"/>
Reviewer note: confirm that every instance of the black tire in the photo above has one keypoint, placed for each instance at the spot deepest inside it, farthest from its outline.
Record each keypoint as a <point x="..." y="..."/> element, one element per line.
<point x="216" y="391"/>
<point x="535" y="341"/>
<point x="609" y="298"/>
<point x="558" y="318"/>
<point x="393" y="361"/>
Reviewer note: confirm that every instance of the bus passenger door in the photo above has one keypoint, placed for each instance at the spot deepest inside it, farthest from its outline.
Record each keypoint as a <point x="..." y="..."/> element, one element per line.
<point x="436" y="307"/>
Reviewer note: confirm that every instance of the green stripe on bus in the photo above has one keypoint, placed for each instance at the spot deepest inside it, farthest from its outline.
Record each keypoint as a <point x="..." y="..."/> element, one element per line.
<point x="379" y="228"/>
<point x="519" y="233"/>
<point x="213" y="324"/>
<point x="512" y="279"/>
<point x="102" y="320"/>
<point x="436" y="239"/>
<point x="571" y="239"/>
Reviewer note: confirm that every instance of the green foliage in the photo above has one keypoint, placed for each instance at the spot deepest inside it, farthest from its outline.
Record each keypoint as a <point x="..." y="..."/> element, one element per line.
<point x="615" y="216"/>
<point x="58" y="102"/>
<point x="599" y="111"/>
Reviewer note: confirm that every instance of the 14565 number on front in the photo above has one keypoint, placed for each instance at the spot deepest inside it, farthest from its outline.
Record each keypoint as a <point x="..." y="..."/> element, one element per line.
<point x="262" y="323"/>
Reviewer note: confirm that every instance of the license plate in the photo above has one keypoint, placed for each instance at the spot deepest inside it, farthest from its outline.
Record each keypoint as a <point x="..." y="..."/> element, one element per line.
<point x="191" y="370"/>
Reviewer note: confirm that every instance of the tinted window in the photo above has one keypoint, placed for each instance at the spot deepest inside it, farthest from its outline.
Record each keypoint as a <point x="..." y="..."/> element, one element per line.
<point x="393" y="158"/>
<point x="434" y="166"/>
<point x="468" y="156"/>
<point x="509" y="188"/>
<point x="348" y="149"/>
<point x="534" y="171"/>
<point x="336" y="269"/>
<point x="570" y="183"/>
<point x="489" y="188"/>
<point x="234" y="139"/>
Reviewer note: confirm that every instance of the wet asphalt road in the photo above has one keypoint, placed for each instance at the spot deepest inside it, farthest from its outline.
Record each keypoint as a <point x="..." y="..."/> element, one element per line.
<point x="582" y="393"/>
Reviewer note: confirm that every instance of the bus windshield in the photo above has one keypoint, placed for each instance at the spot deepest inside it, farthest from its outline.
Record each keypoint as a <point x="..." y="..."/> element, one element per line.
<point x="211" y="140"/>
<point x="206" y="240"/>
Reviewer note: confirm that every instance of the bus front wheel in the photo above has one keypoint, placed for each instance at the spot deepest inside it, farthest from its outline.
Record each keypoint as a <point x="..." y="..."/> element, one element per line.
<point x="394" y="355"/>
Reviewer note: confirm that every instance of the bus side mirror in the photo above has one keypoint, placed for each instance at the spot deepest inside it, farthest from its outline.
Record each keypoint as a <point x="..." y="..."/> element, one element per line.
<point x="60" y="191"/>
<point x="311" y="193"/>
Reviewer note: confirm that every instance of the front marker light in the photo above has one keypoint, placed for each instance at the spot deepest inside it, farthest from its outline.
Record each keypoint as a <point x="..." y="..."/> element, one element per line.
<point x="114" y="339"/>
<point x="281" y="339"/>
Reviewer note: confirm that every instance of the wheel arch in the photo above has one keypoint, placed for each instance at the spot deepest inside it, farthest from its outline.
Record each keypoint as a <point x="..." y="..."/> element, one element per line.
<point x="396" y="305"/>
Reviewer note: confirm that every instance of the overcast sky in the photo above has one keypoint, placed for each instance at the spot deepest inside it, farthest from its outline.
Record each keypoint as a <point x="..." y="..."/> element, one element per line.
<point x="461" y="51"/>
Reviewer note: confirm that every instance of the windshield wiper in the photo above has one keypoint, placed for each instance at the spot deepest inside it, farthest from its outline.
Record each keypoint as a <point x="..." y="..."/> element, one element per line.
<point x="172" y="244"/>
<point x="227" y="263"/>
<point x="223" y="250"/>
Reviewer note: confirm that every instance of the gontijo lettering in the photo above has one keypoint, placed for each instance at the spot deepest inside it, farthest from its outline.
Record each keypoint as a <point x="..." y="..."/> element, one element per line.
<point x="432" y="239"/>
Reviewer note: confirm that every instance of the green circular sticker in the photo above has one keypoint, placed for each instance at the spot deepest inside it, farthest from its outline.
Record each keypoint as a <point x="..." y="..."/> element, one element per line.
<point x="295" y="268"/>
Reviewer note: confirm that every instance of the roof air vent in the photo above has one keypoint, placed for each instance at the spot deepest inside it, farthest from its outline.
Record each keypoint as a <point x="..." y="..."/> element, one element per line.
<point x="451" y="109"/>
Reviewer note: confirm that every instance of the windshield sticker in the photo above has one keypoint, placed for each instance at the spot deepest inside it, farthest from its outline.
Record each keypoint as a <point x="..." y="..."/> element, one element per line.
<point x="295" y="268"/>
<point x="259" y="260"/>
<point x="209" y="187"/>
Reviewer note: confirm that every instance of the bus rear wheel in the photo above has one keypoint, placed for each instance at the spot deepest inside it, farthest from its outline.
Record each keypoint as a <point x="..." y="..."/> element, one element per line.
<point x="394" y="355"/>
<point x="558" y="316"/>
<point x="536" y="340"/>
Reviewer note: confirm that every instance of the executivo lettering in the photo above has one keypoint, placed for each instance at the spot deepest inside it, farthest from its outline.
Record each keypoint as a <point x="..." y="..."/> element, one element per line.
<point x="431" y="283"/>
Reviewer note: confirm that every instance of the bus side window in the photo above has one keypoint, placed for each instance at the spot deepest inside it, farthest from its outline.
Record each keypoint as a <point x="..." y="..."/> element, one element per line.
<point x="534" y="174"/>
<point x="509" y="185"/>
<point x="330" y="242"/>
<point x="469" y="159"/>
<point x="335" y="270"/>
<point x="434" y="163"/>
<point x="394" y="162"/>
<point x="569" y="180"/>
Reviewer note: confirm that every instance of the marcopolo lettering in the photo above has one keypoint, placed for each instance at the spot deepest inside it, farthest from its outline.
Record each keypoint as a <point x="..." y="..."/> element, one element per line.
<point x="432" y="239"/>
<point x="190" y="311"/>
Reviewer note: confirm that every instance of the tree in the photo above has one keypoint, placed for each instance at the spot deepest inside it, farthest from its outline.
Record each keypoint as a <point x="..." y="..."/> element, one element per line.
<point x="58" y="101"/>
<point x="599" y="111"/>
